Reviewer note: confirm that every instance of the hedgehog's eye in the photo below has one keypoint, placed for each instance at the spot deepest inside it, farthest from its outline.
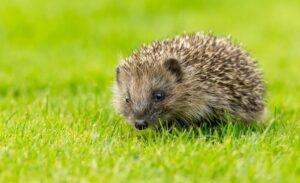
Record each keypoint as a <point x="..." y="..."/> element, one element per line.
<point x="127" y="100"/>
<point x="158" y="96"/>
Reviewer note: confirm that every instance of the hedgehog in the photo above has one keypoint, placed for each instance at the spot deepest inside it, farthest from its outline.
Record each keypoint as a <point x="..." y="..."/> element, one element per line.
<point x="189" y="79"/>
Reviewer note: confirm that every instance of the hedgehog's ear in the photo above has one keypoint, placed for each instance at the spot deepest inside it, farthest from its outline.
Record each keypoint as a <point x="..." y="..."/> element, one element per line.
<point x="118" y="74"/>
<point x="174" y="67"/>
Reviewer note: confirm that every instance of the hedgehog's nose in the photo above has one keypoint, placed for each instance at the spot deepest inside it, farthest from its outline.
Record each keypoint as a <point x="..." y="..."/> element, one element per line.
<point x="141" y="124"/>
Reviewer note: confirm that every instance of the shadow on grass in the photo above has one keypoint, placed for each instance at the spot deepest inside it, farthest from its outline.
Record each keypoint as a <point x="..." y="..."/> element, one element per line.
<point x="214" y="131"/>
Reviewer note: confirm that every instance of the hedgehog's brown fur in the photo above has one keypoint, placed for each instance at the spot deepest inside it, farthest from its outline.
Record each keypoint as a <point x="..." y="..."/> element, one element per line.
<point x="213" y="77"/>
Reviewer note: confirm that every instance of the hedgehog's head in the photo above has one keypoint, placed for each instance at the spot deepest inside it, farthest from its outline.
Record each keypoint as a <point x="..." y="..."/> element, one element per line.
<point x="145" y="92"/>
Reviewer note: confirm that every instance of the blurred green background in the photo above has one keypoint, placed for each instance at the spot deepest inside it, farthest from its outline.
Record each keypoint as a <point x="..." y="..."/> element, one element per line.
<point x="57" y="64"/>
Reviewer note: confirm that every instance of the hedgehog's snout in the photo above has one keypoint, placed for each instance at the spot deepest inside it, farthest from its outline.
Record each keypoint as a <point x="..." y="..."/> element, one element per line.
<point x="141" y="124"/>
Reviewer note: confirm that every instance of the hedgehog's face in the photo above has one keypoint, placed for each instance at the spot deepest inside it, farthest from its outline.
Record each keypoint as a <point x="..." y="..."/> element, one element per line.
<point x="144" y="91"/>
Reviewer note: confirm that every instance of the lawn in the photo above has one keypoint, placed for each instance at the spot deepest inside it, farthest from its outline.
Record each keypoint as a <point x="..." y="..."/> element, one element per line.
<point x="57" y="65"/>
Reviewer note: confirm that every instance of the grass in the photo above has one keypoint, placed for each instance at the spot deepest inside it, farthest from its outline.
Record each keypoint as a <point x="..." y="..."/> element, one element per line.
<point x="57" y="124"/>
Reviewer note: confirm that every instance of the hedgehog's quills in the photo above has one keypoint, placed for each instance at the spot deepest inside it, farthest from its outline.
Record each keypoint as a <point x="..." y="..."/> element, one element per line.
<point x="189" y="78"/>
